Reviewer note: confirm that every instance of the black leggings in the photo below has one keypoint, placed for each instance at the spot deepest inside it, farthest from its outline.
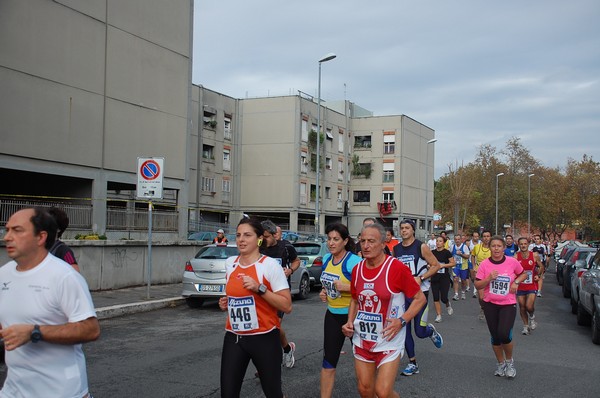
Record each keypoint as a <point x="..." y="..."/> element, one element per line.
<point x="333" y="338"/>
<point x="440" y="286"/>
<point x="265" y="352"/>
<point x="500" y="320"/>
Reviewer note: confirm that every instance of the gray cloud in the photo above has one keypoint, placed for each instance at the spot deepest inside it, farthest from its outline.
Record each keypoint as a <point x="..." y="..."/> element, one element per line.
<point x="477" y="72"/>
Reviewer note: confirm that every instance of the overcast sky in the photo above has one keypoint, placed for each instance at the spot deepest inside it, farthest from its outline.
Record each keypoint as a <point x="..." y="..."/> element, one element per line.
<point x="477" y="72"/>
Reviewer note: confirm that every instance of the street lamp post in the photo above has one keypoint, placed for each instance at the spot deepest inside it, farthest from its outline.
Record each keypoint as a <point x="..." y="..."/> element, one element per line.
<point x="326" y="58"/>
<point x="529" y="204"/>
<point x="427" y="185"/>
<point x="497" y="175"/>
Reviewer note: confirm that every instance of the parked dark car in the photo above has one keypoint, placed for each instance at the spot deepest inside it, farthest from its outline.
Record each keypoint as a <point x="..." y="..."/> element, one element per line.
<point x="588" y="305"/>
<point x="564" y="256"/>
<point x="311" y="255"/>
<point x="570" y="266"/>
<point x="581" y="265"/>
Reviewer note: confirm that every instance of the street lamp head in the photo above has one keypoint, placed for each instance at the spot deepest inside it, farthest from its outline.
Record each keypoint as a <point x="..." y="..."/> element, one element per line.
<point x="499" y="174"/>
<point x="531" y="175"/>
<point x="328" y="57"/>
<point x="432" y="141"/>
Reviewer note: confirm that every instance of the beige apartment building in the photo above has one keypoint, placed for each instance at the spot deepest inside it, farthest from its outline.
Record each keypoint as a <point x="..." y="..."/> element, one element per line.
<point x="89" y="87"/>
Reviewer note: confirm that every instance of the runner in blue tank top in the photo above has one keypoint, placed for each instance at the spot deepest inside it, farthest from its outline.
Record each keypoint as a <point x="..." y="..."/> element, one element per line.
<point x="423" y="265"/>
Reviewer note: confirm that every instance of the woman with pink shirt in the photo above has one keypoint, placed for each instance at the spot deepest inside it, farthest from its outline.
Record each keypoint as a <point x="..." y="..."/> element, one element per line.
<point x="499" y="277"/>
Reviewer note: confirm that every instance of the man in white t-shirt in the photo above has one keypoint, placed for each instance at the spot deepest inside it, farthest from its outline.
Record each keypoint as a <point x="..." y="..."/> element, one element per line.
<point x="54" y="316"/>
<point x="431" y="242"/>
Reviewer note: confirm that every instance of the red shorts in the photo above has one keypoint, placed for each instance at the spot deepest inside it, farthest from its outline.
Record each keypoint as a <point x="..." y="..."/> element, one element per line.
<point x="379" y="358"/>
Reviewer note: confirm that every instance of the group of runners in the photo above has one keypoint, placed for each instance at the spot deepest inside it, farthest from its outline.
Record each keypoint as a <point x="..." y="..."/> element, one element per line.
<point x="376" y="300"/>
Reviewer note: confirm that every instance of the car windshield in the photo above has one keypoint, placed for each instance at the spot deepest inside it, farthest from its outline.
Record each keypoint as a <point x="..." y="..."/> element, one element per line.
<point x="307" y="249"/>
<point x="217" y="252"/>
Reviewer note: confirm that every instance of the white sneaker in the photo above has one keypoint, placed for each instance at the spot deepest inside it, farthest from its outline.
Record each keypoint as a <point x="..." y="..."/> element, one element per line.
<point x="525" y="330"/>
<point x="288" y="357"/>
<point x="532" y="323"/>
<point x="509" y="369"/>
<point x="438" y="318"/>
<point x="462" y="296"/>
<point x="474" y="293"/>
<point x="500" y="369"/>
<point x="539" y="294"/>
<point x="481" y="315"/>
<point x="455" y="298"/>
<point x="450" y="310"/>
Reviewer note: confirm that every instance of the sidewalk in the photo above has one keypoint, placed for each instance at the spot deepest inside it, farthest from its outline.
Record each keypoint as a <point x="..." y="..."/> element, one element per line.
<point x="113" y="303"/>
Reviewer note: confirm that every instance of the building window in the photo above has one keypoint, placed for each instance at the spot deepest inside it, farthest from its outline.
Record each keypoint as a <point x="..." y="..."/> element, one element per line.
<point x="328" y="134"/>
<point x="388" y="175"/>
<point x="208" y="152"/>
<point x="388" y="172"/>
<point x="313" y="192"/>
<point x="341" y="142"/>
<point x="340" y="201"/>
<point x="388" y="196"/>
<point x="389" y="147"/>
<point x="226" y="160"/>
<point x="227" y="127"/>
<point x="226" y="185"/>
<point x="362" y="141"/>
<point x="340" y="170"/>
<point x="389" y="144"/>
<point x="361" y="196"/>
<point x="210" y="118"/>
<point x="327" y="193"/>
<point x="303" y="197"/>
<point x="328" y="163"/>
<point x="208" y="184"/>
<point x="303" y="163"/>
<point x="305" y="130"/>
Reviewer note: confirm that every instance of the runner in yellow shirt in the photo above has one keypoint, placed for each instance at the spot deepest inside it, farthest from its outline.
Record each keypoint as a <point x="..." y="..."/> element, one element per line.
<point x="480" y="252"/>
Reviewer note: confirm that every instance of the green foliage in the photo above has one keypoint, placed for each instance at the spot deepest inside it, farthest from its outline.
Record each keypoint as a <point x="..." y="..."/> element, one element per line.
<point x="466" y="195"/>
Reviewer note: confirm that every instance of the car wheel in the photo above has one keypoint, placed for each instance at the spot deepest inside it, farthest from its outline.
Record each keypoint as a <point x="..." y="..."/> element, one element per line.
<point x="573" y="306"/>
<point x="194" y="302"/>
<point x="304" y="288"/>
<point x="596" y="328"/>
<point x="583" y="318"/>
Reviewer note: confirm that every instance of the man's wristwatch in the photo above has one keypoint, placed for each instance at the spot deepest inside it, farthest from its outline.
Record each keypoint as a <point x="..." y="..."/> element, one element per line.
<point x="421" y="278"/>
<point x="262" y="289"/>
<point x="36" y="334"/>
<point x="402" y="321"/>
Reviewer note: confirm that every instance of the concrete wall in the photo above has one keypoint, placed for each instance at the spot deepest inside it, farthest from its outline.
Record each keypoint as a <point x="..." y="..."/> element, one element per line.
<point x="117" y="264"/>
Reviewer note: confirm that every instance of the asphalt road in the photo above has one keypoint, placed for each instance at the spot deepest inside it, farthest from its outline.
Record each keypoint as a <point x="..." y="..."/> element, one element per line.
<point x="175" y="352"/>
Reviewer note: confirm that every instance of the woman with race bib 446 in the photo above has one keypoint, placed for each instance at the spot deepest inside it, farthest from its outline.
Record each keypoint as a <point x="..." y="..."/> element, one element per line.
<point x="499" y="278"/>
<point x="256" y="289"/>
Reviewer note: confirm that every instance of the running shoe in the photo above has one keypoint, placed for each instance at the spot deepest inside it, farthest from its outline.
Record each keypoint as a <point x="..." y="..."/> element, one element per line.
<point x="525" y="330"/>
<point x="500" y="369"/>
<point x="532" y="323"/>
<point x="481" y="315"/>
<point x="539" y="294"/>
<point x="455" y="298"/>
<point x="438" y="318"/>
<point x="288" y="357"/>
<point x="474" y="293"/>
<point x="411" y="369"/>
<point x="437" y="339"/>
<point x="450" y="310"/>
<point x="462" y="296"/>
<point x="510" y="370"/>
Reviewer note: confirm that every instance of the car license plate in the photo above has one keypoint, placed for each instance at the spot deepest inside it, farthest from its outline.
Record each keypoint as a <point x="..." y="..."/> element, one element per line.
<point x="210" y="288"/>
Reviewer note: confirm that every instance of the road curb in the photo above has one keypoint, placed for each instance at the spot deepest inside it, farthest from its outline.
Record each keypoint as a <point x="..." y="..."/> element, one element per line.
<point x="133" y="308"/>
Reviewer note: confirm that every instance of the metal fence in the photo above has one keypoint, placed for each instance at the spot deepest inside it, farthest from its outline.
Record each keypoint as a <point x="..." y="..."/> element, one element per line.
<point x="80" y="215"/>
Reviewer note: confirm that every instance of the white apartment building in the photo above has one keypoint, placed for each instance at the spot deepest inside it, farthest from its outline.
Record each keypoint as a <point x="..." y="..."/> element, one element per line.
<point x="88" y="87"/>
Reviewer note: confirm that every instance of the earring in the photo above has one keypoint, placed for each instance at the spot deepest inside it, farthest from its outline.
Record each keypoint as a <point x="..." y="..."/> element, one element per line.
<point x="260" y="242"/>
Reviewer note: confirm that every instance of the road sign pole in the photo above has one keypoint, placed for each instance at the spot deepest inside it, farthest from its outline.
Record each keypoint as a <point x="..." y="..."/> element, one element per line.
<point x="149" y="270"/>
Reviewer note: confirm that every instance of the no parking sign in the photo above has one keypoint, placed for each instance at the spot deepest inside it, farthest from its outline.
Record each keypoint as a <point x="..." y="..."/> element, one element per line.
<point x="150" y="178"/>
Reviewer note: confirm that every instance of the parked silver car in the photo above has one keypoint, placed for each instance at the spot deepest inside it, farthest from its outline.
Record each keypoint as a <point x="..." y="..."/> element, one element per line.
<point x="204" y="275"/>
